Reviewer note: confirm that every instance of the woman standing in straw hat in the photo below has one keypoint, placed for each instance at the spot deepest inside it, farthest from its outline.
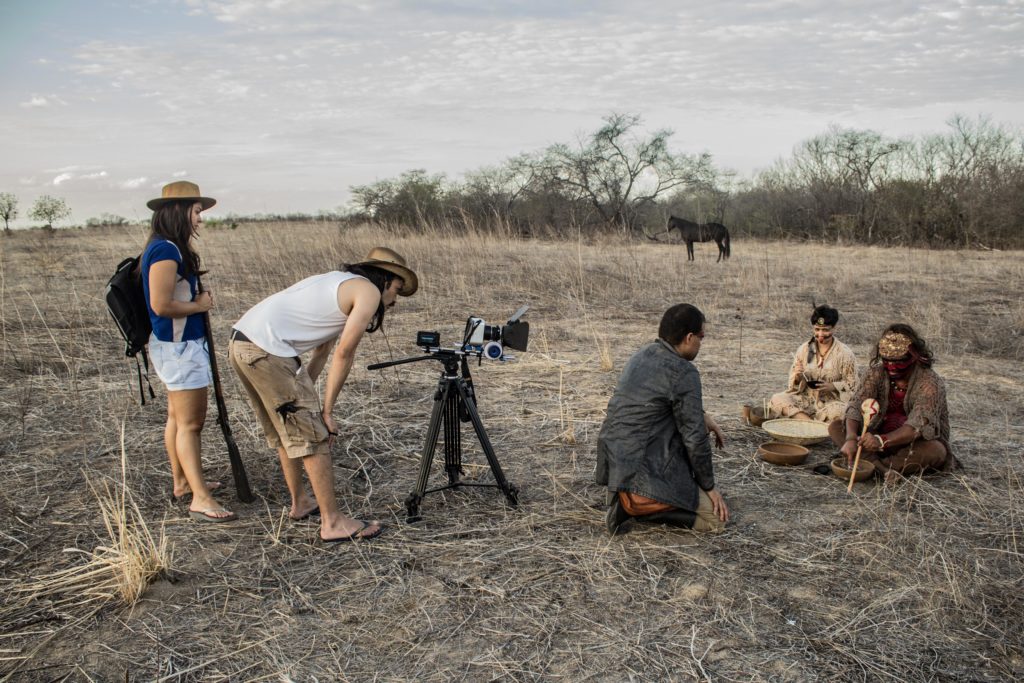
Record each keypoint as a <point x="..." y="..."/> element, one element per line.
<point x="309" y="317"/>
<point x="170" y="273"/>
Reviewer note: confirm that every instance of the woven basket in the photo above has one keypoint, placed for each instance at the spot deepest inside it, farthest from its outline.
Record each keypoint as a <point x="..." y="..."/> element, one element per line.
<point x="803" y="432"/>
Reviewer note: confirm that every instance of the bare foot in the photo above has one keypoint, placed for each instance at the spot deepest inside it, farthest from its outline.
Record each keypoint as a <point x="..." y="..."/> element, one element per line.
<point x="352" y="529"/>
<point x="212" y="515"/>
<point x="209" y="508"/>
<point x="303" y="508"/>
<point x="186" y="490"/>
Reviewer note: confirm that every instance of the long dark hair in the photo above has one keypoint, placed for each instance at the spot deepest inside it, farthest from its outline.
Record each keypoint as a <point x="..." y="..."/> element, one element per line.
<point x="381" y="279"/>
<point x="173" y="222"/>
<point x="918" y="348"/>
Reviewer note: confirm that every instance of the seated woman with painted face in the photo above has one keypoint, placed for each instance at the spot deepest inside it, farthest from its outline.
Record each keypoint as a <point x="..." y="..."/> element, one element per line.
<point x="910" y="433"/>
<point x="821" y="379"/>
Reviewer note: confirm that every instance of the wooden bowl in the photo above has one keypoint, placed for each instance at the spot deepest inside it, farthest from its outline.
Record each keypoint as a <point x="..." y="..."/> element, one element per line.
<point x="803" y="432"/>
<point x="781" y="453"/>
<point x="865" y="468"/>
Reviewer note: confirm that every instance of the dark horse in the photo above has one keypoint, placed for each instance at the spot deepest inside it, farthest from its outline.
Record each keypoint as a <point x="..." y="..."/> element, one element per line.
<point x="691" y="232"/>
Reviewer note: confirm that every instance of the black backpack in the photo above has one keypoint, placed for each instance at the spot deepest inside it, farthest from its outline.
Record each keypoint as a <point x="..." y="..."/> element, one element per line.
<point x="126" y="302"/>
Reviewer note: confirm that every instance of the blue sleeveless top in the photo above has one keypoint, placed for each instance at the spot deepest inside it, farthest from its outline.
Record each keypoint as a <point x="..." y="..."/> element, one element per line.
<point x="171" y="329"/>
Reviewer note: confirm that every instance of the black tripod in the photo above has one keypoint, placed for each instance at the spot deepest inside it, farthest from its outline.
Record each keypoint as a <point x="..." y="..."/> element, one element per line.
<point x="454" y="400"/>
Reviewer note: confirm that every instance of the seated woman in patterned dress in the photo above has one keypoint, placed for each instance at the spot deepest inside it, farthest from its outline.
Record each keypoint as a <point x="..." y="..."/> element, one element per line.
<point x="821" y="379"/>
<point x="910" y="433"/>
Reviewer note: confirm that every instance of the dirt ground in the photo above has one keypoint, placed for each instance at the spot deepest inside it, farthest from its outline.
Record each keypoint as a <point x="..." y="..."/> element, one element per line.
<point x="918" y="581"/>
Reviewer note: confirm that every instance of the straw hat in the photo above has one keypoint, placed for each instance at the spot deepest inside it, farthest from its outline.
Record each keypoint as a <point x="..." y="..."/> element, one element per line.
<point x="392" y="261"/>
<point x="180" y="191"/>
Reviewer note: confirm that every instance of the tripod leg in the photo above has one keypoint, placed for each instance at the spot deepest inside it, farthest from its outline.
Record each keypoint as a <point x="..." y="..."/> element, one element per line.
<point x="510" y="490"/>
<point x="412" y="502"/>
<point x="452" y="437"/>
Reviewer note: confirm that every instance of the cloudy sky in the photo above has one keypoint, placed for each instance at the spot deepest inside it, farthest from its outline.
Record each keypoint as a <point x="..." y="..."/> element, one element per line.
<point x="282" y="105"/>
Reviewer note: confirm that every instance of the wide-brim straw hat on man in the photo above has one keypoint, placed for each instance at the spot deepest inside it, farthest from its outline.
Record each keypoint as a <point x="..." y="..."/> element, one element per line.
<point x="180" y="191"/>
<point x="393" y="262"/>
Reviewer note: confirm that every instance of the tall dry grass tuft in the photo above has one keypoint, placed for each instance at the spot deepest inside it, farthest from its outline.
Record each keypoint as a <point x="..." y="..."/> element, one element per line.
<point x="118" y="572"/>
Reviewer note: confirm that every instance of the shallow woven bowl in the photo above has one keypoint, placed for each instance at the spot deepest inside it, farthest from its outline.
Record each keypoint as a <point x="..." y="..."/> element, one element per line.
<point x="865" y="468"/>
<point x="780" y="453"/>
<point x="803" y="432"/>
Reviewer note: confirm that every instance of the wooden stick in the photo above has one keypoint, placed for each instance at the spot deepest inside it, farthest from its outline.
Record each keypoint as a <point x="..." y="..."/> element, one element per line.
<point x="868" y="409"/>
<point x="242" y="489"/>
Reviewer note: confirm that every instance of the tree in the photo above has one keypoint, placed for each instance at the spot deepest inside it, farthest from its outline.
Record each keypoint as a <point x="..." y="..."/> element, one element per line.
<point x="619" y="172"/>
<point x="50" y="210"/>
<point x="414" y="197"/>
<point x="106" y="219"/>
<point x="8" y="209"/>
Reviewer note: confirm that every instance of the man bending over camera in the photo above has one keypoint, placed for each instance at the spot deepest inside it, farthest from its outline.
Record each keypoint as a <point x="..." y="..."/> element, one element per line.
<point x="653" y="451"/>
<point x="265" y="347"/>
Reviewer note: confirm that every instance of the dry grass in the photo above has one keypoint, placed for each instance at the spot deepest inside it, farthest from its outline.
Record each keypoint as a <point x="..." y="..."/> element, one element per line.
<point x="921" y="581"/>
<point x="120" y="571"/>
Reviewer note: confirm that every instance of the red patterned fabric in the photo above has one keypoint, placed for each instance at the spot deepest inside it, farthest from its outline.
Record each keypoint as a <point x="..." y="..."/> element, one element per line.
<point x="895" y="416"/>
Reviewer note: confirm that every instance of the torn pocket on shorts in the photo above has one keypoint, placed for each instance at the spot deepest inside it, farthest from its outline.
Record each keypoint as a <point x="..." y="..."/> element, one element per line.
<point x="302" y="425"/>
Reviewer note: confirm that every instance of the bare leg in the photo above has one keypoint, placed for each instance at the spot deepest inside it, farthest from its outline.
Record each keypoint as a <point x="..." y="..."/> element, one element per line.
<point x="333" y="524"/>
<point x="302" y="504"/>
<point x="783" y="404"/>
<point x="179" y="485"/>
<point x="189" y="409"/>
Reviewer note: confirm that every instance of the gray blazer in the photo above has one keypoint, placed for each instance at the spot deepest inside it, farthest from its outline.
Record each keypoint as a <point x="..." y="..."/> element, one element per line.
<point x="653" y="441"/>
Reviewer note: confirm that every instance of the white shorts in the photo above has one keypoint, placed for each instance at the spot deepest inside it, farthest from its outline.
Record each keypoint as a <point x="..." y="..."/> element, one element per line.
<point x="181" y="366"/>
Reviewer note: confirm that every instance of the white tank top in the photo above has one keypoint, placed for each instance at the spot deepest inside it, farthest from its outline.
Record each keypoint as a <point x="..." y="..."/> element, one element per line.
<point x="297" y="319"/>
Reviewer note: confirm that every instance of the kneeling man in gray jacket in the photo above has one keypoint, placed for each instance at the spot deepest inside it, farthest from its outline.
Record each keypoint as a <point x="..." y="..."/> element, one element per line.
<point x="654" y="450"/>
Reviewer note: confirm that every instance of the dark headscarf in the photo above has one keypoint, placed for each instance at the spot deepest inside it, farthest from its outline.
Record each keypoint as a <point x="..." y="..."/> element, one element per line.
<point x="825" y="315"/>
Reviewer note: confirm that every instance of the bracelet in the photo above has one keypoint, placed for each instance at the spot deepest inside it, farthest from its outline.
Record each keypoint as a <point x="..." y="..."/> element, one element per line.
<point x="851" y="438"/>
<point x="881" y="441"/>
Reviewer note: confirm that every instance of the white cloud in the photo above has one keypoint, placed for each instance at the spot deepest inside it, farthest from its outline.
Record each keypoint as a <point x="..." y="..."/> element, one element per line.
<point x="350" y="90"/>
<point x="134" y="183"/>
<point x="35" y="102"/>
<point x="63" y="177"/>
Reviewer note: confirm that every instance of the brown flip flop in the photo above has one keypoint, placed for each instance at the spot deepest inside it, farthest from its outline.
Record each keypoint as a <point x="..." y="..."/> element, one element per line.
<point x="206" y="516"/>
<point x="357" y="534"/>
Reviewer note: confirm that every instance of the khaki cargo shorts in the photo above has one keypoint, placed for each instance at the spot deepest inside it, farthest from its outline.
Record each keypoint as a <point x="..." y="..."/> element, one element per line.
<point x="284" y="398"/>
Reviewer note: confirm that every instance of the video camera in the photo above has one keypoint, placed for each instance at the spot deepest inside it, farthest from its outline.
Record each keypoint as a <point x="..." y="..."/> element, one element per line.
<point x="485" y="340"/>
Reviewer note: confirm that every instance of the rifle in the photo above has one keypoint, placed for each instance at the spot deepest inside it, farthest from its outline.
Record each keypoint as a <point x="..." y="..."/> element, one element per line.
<point x="237" y="468"/>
